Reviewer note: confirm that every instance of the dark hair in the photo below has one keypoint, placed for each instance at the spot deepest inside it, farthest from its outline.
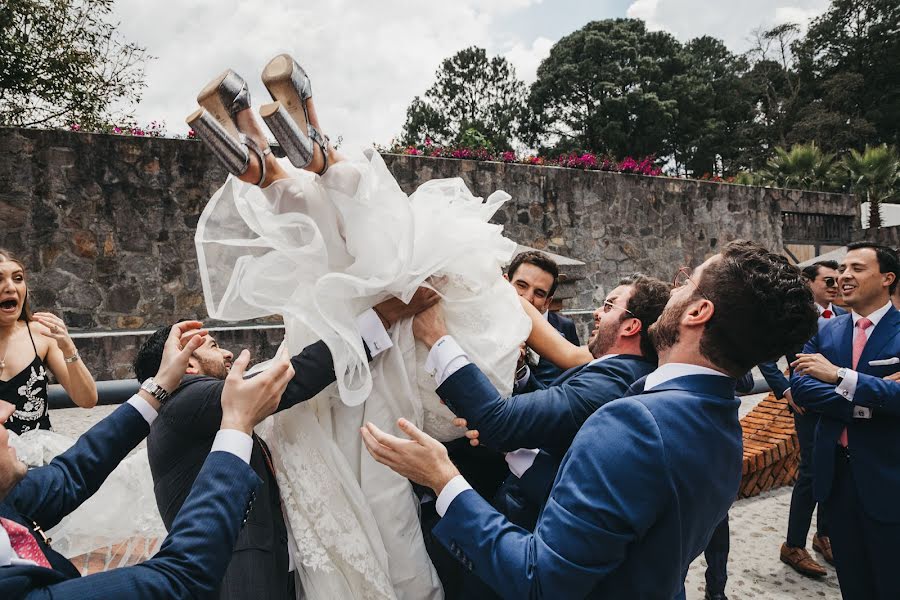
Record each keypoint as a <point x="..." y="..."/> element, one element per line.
<point x="647" y="302"/>
<point x="6" y="255"/>
<point x="763" y="308"/>
<point x="812" y="271"/>
<point x="888" y="262"/>
<point x="538" y="259"/>
<point x="149" y="357"/>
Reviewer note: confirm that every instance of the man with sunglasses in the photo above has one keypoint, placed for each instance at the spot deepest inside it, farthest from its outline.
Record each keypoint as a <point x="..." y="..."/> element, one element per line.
<point x="821" y="278"/>
<point x="649" y="476"/>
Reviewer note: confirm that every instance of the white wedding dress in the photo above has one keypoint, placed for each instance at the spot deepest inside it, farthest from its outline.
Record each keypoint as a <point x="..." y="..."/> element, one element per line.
<point x="319" y="251"/>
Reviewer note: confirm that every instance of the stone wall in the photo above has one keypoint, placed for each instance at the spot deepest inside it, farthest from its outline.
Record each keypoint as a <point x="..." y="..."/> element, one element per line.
<point x="106" y="223"/>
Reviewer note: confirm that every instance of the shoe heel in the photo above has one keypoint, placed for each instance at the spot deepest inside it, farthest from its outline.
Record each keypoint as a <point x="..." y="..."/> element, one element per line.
<point x="227" y="94"/>
<point x="297" y="146"/>
<point x="228" y="148"/>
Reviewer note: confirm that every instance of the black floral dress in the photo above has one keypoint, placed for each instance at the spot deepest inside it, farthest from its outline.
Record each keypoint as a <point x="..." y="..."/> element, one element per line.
<point x="28" y="391"/>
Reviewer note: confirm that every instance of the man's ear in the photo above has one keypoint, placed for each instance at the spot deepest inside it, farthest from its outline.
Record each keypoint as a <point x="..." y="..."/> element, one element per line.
<point x="889" y="278"/>
<point x="193" y="367"/>
<point x="633" y="326"/>
<point x="698" y="313"/>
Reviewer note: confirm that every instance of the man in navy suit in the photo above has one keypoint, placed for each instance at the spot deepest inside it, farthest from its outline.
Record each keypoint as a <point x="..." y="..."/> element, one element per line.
<point x="847" y="374"/>
<point x="549" y="418"/>
<point x="535" y="277"/>
<point x="822" y="280"/>
<point x="194" y="555"/>
<point x="648" y="477"/>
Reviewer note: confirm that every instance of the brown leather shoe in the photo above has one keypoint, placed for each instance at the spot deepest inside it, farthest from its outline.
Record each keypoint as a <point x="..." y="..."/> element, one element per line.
<point x="822" y="545"/>
<point x="800" y="560"/>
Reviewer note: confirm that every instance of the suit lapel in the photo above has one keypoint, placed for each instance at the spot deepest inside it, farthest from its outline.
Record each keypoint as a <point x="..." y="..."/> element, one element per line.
<point x="843" y="336"/>
<point x="884" y="332"/>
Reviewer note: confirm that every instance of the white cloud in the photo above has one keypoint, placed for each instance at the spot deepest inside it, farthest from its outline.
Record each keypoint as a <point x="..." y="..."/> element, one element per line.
<point x="732" y="22"/>
<point x="366" y="59"/>
<point x="527" y="59"/>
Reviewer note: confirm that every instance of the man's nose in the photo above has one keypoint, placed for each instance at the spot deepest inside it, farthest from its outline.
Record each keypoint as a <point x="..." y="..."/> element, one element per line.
<point x="227" y="355"/>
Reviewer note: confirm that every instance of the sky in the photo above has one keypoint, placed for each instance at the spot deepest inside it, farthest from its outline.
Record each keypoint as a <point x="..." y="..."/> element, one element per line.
<point x="367" y="60"/>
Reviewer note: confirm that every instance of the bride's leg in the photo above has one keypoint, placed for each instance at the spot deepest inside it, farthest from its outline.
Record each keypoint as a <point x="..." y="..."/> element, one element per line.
<point x="249" y="126"/>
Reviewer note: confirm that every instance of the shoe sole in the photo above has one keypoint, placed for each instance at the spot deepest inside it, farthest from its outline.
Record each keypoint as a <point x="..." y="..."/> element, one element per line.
<point x="209" y="99"/>
<point x="276" y="76"/>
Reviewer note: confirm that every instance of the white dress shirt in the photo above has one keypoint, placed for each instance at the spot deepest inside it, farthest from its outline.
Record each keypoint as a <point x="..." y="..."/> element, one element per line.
<point x="670" y="371"/>
<point x="227" y="440"/>
<point x="847" y="386"/>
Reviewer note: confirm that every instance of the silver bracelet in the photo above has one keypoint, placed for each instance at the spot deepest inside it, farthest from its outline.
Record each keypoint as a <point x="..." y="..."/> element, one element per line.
<point x="73" y="358"/>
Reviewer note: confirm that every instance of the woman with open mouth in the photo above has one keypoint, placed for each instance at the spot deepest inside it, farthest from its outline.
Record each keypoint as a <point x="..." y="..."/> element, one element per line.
<point x="30" y="345"/>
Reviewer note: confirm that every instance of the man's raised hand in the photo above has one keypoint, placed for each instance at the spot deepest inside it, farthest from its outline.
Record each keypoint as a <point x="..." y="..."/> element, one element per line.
<point x="184" y="338"/>
<point x="246" y="402"/>
<point x="393" y="309"/>
<point x="422" y="458"/>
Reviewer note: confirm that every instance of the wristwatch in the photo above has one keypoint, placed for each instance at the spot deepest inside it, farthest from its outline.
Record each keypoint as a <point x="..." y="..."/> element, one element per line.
<point x="155" y="390"/>
<point x="841" y="373"/>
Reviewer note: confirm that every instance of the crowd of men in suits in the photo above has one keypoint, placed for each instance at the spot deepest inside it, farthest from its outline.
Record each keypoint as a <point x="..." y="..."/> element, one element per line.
<point x="602" y="481"/>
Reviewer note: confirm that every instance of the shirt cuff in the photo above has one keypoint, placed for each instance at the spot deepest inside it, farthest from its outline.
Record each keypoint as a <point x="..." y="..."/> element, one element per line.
<point x="521" y="381"/>
<point x="373" y="333"/>
<point x="847" y="386"/>
<point x="142" y="406"/>
<point x="445" y="359"/>
<point x="521" y="460"/>
<point x="236" y="442"/>
<point x="454" y="488"/>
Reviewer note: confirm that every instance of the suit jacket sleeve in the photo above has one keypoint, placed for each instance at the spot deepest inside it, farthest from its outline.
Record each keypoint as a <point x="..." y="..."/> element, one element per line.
<point x="195" y="554"/>
<point x="197" y="407"/>
<point x="818" y="396"/>
<point x="606" y="497"/>
<point x="49" y="493"/>
<point x="775" y="378"/>
<point x="549" y="417"/>
<point x="877" y="393"/>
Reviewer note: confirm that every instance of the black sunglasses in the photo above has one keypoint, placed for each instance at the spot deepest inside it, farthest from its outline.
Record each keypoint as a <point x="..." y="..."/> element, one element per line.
<point x="830" y="281"/>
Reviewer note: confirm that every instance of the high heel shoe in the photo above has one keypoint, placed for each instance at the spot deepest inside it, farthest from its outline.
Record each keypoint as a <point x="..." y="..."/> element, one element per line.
<point x="215" y="124"/>
<point x="287" y="117"/>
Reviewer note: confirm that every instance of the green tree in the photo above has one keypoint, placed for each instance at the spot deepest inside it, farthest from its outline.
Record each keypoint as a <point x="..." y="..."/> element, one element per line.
<point x="804" y="167"/>
<point x="62" y="61"/>
<point x="471" y="91"/>
<point x="874" y="175"/>
<point x="715" y="110"/>
<point x="850" y="57"/>
<point x="606" y="88"/>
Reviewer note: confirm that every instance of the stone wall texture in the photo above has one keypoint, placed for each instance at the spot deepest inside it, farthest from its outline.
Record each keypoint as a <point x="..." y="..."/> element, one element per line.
<point x="105" y="225"/>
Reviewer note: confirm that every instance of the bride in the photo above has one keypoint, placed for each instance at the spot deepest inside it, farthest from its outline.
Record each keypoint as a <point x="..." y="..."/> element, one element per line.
<point x="318" y="243"/>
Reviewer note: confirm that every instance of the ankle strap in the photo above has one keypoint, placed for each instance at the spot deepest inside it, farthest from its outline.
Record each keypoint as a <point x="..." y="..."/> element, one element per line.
<point x="260" y="154"/>
<point x="322" y="141"/>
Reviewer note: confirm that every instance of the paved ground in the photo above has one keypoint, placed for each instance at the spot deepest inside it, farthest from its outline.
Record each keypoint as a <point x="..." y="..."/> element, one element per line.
<point x="757" y="530"/>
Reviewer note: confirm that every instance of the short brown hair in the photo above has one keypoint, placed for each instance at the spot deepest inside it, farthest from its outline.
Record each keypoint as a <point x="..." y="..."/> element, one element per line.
<point x="646" y="303"/>
<point x="538" y="259"/>
<point x="763" y="308"/>
<point x="7" y="256"/>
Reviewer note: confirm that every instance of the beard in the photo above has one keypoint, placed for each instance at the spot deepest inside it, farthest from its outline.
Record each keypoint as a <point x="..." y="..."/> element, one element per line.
<point x="665" y="332"/>
<point x="603" y="341"/>
<point x="213" y="368"/>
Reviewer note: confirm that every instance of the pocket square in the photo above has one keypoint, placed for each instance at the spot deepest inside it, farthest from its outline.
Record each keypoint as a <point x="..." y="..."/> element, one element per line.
<point x="884" y="362"/>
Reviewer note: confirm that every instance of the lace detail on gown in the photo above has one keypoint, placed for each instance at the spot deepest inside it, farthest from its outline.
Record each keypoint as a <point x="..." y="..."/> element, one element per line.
<point x="319" y="251"/>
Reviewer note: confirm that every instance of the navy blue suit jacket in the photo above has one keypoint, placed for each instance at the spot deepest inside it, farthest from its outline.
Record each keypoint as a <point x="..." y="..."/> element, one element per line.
<point x="778" y="383"/>
<point x="874" y="444"/>
<point x="637" y="497"/>
<point x="192" y="559"/>
<point x="547" y="418"/>
<point x="545" y="371"/>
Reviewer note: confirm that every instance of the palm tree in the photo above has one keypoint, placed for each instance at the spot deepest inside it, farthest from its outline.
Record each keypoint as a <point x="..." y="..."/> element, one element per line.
<point x="804" y="166"/>
<point x="874" y="176"/>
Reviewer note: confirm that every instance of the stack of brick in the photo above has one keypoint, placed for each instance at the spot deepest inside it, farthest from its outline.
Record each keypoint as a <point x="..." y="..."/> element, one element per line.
<point x="771" y="450"/>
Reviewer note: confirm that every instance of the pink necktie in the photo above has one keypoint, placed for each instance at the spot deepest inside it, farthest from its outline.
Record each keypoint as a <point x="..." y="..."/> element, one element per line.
<point x="859" y="342"/>
<point x="23" y="543"/>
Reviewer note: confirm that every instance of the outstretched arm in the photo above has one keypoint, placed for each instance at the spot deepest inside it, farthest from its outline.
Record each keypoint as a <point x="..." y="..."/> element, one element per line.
<point x="546" y="341"/>
<point x="47" y="494"/>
